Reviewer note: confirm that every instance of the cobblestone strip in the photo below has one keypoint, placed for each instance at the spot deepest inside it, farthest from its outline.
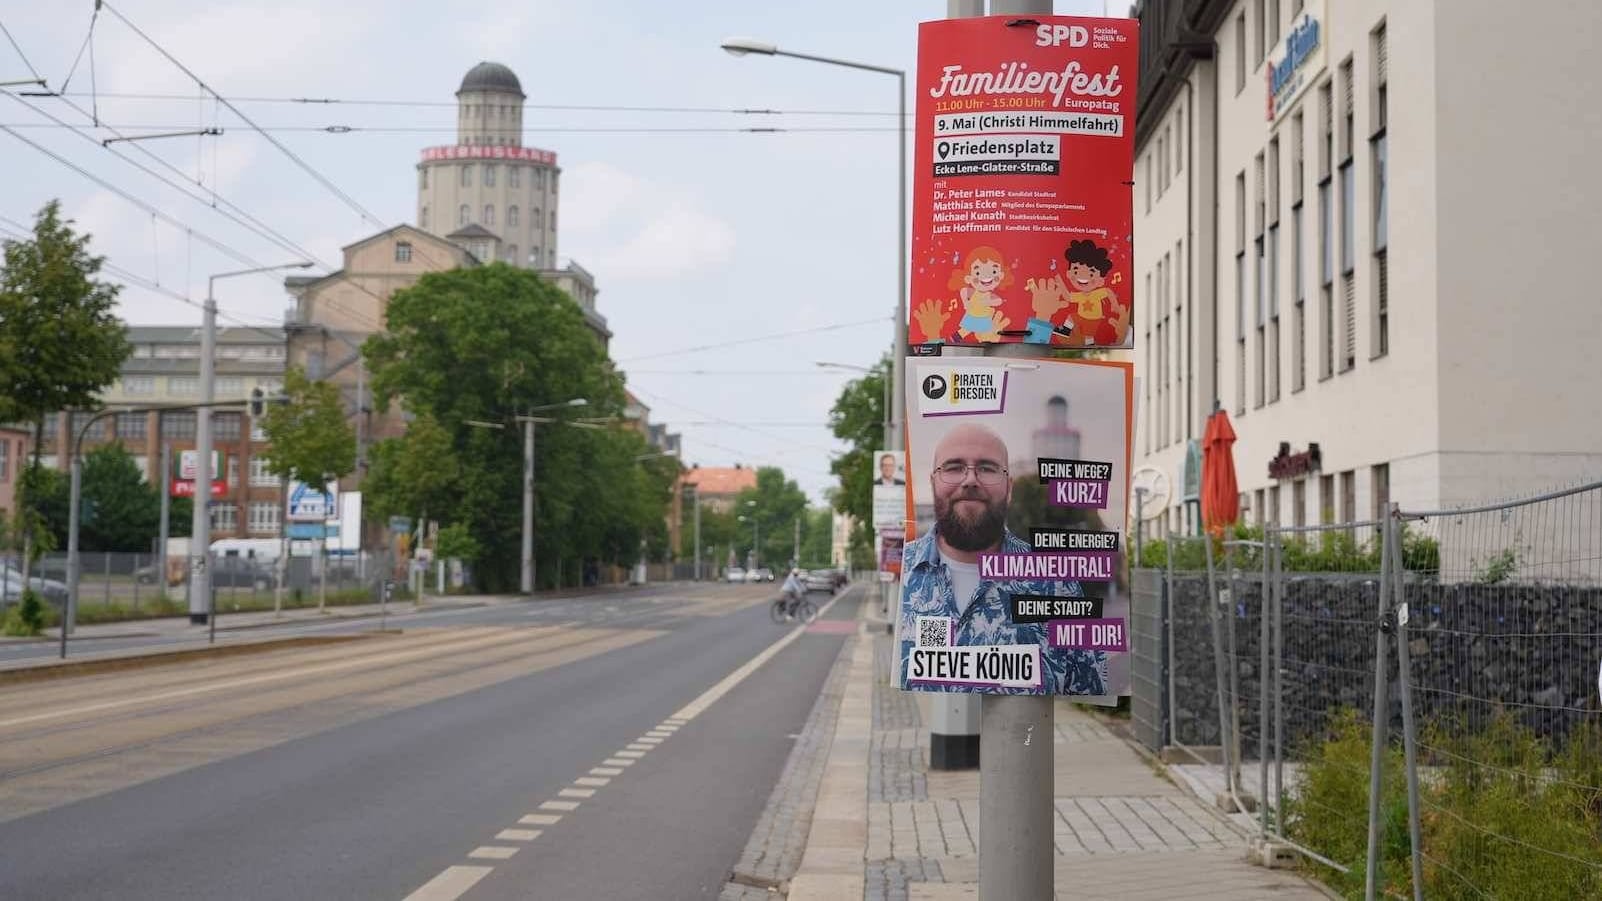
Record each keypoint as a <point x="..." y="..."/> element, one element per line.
<point x="773" y="853"/>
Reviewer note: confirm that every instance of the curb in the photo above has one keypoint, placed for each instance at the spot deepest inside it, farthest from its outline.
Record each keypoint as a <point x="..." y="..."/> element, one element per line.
<point x="54" y="668"/>
<point x="837" y="842"/>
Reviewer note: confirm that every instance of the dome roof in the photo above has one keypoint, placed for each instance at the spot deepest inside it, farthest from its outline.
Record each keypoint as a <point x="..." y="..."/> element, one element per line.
<point x="488" y="76"/>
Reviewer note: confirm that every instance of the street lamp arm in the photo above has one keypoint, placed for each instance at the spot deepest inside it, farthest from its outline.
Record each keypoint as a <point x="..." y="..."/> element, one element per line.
<point x="840" y="62"/>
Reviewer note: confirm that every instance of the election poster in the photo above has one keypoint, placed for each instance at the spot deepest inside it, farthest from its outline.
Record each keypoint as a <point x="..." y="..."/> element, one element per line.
<point x="889" y="490"/>
<point x="1013" y="571"/>
<point x="890" y="544"/>
<point x="1023" y="174"/>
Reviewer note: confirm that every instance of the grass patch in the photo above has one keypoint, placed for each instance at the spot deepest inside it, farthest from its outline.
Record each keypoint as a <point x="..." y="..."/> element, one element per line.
<point x="1501" y="814"/>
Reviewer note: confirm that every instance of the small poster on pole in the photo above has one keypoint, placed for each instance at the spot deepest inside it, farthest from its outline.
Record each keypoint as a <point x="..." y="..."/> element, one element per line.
<point x="1023" y="177"/>
<point x="1013" y="573"/>
<point x="889" y="490"/>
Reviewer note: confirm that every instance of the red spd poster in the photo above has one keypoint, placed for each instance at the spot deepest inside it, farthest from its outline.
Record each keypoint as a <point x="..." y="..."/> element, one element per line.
<point x="1023" y="181"/>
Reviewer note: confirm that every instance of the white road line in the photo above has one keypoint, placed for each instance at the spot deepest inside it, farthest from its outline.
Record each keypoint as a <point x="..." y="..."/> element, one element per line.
<point x="631" y="753"/>
<point x="596" y="781"/>
<point x="450" y="884"/>
<point x="696" y="707"/>
<point x="576" y="793"/>
<point x="606" y="771"/>
<point x="673" y="721"/>
<point x="637" y="747"/>
<point x="559" y="805"/>
<point x="649" y="740"/>
<point x="518" y="835"/>
<point x="540" y="819"/>
<point x="617" y="761"/>
<point x="492" y="852"/>
<point x="453" y="647"/>
<point x="658" y="733"/>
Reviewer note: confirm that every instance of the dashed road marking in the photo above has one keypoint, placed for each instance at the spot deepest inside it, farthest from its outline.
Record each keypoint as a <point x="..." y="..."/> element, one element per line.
<point x="606" y="771"/>
<point x="596" y="781"/>
<point x="658" y="733"/>
<point x="559" y="805"/>
<point x="492" y="852"/>
<point x="540" y="819"/>
<point x="648" y="740"/>
<point x="518" y="835"/>
<point x="576" y="793"/>
<point x="451" y="883"/>
<point x="637" y="746"/>
<point x="617" y="761"/>
<point x="631" y="753"/>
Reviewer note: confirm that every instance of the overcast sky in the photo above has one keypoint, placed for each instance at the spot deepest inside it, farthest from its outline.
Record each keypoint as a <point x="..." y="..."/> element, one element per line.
<point x="694" y="237"/>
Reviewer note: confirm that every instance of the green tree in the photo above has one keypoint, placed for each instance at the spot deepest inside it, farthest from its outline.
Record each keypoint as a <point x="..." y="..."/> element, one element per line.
<point x="413" y="475"/>
<point x="773" y="506"/>
<point x="456" y="542"/>
<point x="61" y="342"/>
<point x="487" y="344"/>
<point x="309" y="438"/>
<point x="122" y="512"/>
<point x="817" y="537"/>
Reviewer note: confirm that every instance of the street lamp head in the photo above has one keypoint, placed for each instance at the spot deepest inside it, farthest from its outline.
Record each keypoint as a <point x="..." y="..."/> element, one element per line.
<point x="742" y="46"/>
<point x="579" y="402"/>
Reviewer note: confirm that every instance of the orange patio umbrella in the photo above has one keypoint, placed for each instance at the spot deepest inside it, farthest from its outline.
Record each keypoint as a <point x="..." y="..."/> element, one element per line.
<point x="1220" y="493"/>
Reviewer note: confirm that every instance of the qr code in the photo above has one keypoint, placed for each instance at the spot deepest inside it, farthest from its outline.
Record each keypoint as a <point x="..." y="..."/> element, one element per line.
<point x="934" y="631"/>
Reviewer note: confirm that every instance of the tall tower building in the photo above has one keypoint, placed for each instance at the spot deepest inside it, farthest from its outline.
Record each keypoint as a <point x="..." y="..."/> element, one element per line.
<point x="488" y="192"/>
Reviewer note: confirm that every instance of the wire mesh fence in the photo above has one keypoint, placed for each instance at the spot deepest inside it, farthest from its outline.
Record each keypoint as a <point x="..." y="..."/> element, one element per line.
<point x="1499" y="640"/>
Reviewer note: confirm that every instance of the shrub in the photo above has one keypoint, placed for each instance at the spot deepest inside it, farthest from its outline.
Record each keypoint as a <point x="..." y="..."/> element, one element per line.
<point x="27" y="617"/>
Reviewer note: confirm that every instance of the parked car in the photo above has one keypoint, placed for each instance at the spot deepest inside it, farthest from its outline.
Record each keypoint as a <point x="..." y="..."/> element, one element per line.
<point x="818" y="580"/>
<point x="734" y="574"/>
<point x="11" y="586"/>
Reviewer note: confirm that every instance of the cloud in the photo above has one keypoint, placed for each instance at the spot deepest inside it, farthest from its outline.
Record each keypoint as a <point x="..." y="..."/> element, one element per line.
<point x="626" y="227"/>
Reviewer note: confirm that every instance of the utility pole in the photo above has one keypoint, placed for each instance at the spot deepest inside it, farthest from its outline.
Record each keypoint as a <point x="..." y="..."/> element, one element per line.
<point x="698" y="533"/>
<point x="527" y="576"/>
<point x="795" y="555"/>
<point x="1016" y="779"/>
<point x="165" y="481"/>
<point x="200" y="525"/>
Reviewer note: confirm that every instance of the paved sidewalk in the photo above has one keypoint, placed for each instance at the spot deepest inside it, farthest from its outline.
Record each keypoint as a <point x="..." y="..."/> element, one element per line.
<point x="1122" y="830"/>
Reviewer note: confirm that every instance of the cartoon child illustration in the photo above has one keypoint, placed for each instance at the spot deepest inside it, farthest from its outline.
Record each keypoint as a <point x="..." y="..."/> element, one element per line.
<point x="1047" y="298"/>
<point x="983" y="273"/>
<point x="1097" y="314"/>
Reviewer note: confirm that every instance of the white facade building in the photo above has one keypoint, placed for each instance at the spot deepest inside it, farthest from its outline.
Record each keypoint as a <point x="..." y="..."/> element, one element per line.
<point x="1284" y="149"/>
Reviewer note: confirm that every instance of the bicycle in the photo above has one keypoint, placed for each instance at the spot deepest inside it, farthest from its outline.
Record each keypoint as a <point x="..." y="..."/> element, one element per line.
<point x="804" y="610"/>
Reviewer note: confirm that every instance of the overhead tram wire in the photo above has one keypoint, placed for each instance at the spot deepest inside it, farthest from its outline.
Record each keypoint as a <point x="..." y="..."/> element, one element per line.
<point x="789" y="442"/>
<point x="451" y="104"/>
<point x="306" y="167"/>
<point x="757" y="338"/>
<point x="443" y="129"/>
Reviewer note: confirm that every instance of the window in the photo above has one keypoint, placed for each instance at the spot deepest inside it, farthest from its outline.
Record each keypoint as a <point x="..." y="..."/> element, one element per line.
<point x="1260" y="295"/>
<point x="1298" y="158"/>
<point x="422" y="177"/>
<point x="422" y="217"/>
<point x="1299" y="502"/>
<point x="1380" y="344"/>
<point x="224" y="517"/>
<point x="1382" y="489"/>
<point x="1348" y="496"/>
<point x="138" y="385"/>
<point x="1273" y="22"/>
<point x="403" y="252"/>
<point x="1326" y="499"/>
<point x="226" y="426"/>
<point x="260" y="476"/>
<point x="183" y="386"/>
<point x="1271" y="512"/>
<point x="511" y="212"/>
<point x="1240" y="332"/>
<point x="178" y="425"/>
<point x="553" y="222"/>
<point x="489" y="176"/>
<point x="50" y="425"/>
<point x="550" y="258"/>
<point x="132" y="426"/>
<point x="514" y="177"/>
<point x="1299" y="296"/>
<point x="1179" y="140"/>
<point x="5" y="461"/>
<point x="229" y="387"/>
<point x="1326" y="135"/>
<point x="489" y="214"/>
<point x="1273" y="312"/>
<point x="534" y="257"/>
<point x="481" y="251"/>
<point x="511" y="254"/>
<point x="233" y="470"/>
<point x="464" y="215"/>
<point x="467" y="175"/>
<point x="1240" y="52"/>
<point x="263" y="518"/>
<point x="1348" y="225"/>
<point x="1259" y="48"/>
<point x="534" y="218"/>
<point x="1146" y="167"/>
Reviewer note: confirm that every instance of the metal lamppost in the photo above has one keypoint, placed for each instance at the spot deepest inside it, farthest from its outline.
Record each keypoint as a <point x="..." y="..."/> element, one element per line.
<point x="742" y="46"/>
<point x="889" y="419"/>
<point x="200" y="527"/>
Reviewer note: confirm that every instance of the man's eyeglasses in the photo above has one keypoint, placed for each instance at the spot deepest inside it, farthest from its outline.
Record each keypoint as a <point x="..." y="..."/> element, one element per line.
<point x="989" y="474"/>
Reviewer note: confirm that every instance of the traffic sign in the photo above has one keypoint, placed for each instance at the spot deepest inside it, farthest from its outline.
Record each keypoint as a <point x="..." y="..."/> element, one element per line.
<point x="308" y="504"/>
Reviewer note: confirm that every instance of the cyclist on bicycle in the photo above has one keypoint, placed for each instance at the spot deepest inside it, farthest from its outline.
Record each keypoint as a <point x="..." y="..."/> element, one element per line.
<point x="794" y="591"/>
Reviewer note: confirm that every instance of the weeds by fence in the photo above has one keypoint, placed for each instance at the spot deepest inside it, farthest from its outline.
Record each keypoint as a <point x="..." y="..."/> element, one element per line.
<point x="1412" y="702"/>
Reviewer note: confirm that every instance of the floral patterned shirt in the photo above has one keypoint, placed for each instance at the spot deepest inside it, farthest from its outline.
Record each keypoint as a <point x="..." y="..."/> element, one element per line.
<point x="985" y="619"/>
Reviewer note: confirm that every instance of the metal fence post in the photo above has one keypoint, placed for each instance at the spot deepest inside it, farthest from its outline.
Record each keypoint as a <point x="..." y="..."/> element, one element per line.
<point x="1264" y="682"/>
<point x="1279" y="687"/>
<point x="1218" y="663"/>
<point x="1381" y="714"/>
<point x="106" y="565"/>
<point x="1404" y="677"/>
<point x="1168" y="639"/>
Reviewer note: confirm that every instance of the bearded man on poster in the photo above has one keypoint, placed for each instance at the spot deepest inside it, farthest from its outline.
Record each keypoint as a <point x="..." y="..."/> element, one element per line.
<point x="971" y="490"/>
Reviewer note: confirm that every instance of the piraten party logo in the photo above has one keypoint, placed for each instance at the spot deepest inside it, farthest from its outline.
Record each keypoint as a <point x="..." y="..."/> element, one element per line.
<point x="961" y="390"/>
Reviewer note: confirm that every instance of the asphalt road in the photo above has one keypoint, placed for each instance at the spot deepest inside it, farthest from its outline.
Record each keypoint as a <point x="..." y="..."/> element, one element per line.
<point x="422" y="795"/>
